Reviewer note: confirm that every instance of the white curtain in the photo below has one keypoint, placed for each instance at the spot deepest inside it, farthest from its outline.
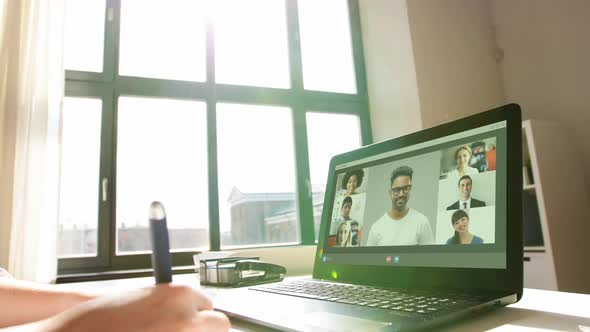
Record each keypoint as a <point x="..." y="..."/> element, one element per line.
<point x="31" y="91"/>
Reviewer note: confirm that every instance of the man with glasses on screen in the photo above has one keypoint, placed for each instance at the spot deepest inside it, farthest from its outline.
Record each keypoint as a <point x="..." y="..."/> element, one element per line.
<point x="400" y="225"/>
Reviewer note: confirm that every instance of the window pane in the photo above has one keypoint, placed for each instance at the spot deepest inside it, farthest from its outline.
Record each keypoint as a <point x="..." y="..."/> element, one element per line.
<point x="163" y="39"/>
<point x="251" y="43"/>
<point x="79" y="180"/>
<point x="84" y="35"/>
<point x="161" y="156"/>
<point x="326" y="46"/>
<point x="344" y="133"/>
<point x="256" y="175"/>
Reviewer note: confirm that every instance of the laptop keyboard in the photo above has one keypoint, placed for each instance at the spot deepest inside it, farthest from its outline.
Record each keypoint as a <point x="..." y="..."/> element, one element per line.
<point x="366" y="296"/>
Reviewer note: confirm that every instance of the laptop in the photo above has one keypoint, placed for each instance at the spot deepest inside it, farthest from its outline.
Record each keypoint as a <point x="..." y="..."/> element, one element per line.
<point x="415" y="231"/>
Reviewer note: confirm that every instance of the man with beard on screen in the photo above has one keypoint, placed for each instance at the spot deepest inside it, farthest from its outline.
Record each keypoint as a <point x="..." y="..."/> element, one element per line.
<point x="400" y="225"/>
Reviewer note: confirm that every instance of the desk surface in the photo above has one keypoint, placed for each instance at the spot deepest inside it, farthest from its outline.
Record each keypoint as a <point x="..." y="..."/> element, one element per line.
<point x="539" y="310"/>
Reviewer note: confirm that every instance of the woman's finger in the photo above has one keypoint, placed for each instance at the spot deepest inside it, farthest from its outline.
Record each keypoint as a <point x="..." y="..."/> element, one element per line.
<point x="212" y="321"/>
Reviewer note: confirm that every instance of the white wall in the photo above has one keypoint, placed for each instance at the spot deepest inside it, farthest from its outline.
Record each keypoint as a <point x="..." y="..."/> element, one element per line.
<point x="454" y="52"/>
<point x="464" y="56"/>
<point x="428" y="62"/>
<point x="390" y="68"/>
<point x="546" y="65"/>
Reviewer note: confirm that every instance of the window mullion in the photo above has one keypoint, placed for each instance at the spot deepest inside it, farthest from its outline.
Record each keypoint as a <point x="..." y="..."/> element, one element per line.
<point x="357" y="49"/>
<point x="111" y="40"/>
<point x="304" y="199"/>
<point x="108" y="222"/>
<point x="366" y="133"/>
<point x="359" y="70"/>
<point x="106" y="213"/>
<point x="214" y="229"/>
<point x="304" y="190"/>
<point x="295" y="62"/>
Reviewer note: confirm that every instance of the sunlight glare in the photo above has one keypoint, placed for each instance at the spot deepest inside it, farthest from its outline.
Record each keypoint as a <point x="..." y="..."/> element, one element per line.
<point x="251" y="43"/>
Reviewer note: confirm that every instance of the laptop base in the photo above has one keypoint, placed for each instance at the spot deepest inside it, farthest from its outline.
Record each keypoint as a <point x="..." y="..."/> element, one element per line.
<point x="293" y="313"/>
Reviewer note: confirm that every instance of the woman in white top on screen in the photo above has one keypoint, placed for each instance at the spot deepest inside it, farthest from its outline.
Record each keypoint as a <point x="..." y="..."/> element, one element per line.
<point x="344" y="235"/>
<point x="462" y="157"/>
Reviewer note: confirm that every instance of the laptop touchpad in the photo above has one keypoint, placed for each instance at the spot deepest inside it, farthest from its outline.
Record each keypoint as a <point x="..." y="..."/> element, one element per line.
<point x="327" y="321"/>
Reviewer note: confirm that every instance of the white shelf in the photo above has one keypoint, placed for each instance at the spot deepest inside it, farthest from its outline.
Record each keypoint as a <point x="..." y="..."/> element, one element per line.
<point x="529" y="187"/>
<point x="563" y="211"/>
<point x="534" y="249"/>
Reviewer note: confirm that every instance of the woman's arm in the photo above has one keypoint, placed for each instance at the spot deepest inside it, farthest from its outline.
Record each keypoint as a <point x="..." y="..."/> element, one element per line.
<point x="41" y="326"/>
<point x="161" y="308"/>
<point x="24" y="302"/>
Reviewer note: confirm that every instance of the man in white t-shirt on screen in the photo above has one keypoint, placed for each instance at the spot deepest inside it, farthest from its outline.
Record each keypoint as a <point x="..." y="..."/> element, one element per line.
<point x="400" y="225"/>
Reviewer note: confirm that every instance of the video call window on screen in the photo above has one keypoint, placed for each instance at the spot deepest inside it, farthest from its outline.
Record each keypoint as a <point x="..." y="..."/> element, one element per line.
<point x="442" y="197"/>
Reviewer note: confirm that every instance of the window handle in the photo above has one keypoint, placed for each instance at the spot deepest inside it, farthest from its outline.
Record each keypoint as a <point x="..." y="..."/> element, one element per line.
<point x="110" y="14"/>
<point x="105" y="189"/>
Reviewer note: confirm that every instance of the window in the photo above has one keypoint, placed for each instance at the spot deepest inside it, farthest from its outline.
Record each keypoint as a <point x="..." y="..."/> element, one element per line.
<point x="162" y="39"/>
<point x="251" y="43"/>
<point x="343" y="131"/>
<point x="326" y="46"/>
<point x="225" y="111"/>
<point x="79" y="189"/>
<point x="84" y="35"/>
<point x="256" y="175"/>
<point x="160" y="149"/>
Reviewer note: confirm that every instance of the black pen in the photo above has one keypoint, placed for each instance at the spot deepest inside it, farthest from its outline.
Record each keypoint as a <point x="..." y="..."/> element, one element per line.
<point x="161" y="260"/>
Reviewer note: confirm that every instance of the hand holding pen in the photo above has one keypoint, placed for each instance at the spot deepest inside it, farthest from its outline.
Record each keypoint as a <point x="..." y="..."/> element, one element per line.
<point x="204" y="319"/>
<point x="161" y="308"/>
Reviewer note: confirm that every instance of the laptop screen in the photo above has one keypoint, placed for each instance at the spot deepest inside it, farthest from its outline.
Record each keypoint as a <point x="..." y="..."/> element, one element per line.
<point x="439" y="203"/>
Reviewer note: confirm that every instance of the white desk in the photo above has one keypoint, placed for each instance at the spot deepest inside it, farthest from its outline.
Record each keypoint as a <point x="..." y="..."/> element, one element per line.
<point x="538" y="310"/>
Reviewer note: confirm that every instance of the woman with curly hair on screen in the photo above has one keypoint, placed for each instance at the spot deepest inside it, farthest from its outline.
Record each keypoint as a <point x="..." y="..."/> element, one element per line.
<point x="351" y="181"/>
